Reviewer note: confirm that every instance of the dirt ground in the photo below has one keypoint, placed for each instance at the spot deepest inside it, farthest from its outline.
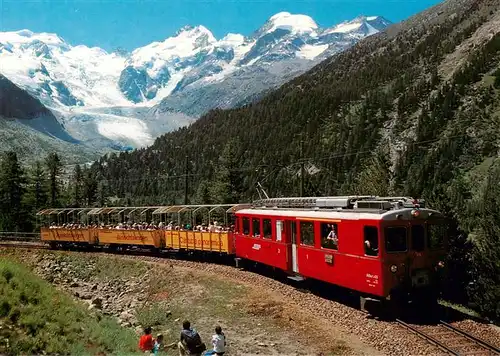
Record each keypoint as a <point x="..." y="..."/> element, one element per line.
<point x="254" y="321"/>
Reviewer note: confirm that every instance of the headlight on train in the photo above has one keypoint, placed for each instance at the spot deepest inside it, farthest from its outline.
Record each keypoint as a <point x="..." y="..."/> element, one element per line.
<point x="394" y="268"/>
<point x="441" y="264"/>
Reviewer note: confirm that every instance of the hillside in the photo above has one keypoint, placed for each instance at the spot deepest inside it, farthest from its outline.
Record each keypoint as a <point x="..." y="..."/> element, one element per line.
<point x="415" y="83"/>
<point x="29" y="128"/>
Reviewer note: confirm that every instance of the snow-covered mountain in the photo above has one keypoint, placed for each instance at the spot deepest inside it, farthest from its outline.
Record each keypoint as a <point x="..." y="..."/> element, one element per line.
<point x="155" y="86"/>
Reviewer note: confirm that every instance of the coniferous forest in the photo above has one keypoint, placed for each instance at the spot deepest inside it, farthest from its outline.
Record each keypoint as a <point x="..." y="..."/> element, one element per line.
<point x="414" y="111"/>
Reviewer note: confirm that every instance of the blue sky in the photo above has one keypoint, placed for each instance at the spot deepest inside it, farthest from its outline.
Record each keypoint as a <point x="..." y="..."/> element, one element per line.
<point x="132" y="23"/>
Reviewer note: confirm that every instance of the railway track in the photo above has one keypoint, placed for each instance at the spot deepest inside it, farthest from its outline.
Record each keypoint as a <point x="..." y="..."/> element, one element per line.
<point x="451" y="339"/>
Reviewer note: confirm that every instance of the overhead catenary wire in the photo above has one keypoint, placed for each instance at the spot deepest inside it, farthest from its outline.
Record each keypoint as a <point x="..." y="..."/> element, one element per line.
<point x="275" y="167"/>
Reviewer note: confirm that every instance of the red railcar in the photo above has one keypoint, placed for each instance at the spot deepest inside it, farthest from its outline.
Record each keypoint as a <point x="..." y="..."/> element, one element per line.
<point x="380" y="247"/>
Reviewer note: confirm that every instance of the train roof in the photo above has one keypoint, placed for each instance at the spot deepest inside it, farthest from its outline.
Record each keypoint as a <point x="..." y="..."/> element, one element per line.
<point x="342" y="207"/>
<point x="400" y="214"/>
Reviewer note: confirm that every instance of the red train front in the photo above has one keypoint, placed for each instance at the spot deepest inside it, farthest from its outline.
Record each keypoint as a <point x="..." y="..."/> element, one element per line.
<point x="384" y="248"/>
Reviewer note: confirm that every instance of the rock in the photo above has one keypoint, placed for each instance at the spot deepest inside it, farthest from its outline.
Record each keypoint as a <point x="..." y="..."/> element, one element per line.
<point x="76" y="294"/>
<point x="176" y="320"/>
<point x="91" y="306"/>
<point x="262" y="344"/>
<point x="94" y="287"/>
<point x="126" y="324"/>
<point x="74" y="284"/>
<point x="85" y="296"/>
<point x="97" y="302"/>
<point x="168" y="313"/>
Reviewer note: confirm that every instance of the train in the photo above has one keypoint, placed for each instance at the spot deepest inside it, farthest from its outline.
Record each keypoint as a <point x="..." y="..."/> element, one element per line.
<point x="388" y="250"/>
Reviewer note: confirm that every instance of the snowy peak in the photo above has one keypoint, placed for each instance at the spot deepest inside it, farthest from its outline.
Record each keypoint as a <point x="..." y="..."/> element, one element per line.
<point x="295" y="24"/>
<point x="63" y="75"/>
<point x="187" y="42"/>
<point x="27" y="36"/>
<point x="361" y="25"/>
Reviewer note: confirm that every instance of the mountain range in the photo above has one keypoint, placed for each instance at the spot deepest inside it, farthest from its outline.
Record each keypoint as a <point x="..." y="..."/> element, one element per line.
<point x="119" y="100"/>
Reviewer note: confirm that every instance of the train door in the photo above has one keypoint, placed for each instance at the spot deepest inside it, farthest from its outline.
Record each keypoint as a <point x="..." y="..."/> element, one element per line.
<point x="291" y="232"/>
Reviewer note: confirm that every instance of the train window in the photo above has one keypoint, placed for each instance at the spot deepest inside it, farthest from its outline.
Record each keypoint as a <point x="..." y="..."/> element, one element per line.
<point x="256" y="227"/>
<point x="279" y="230"/>
<point x="246" y="226"/>
<point x="293" y="231"/>
<point x="307" y="233"/>
<point x="395" y="239"/>
<point x="267" y="228"/>
<point x="329" y="236"/>
<point x="436" y="234"/>
<point x="417" y="238"/>
<point x="371" y="240"/>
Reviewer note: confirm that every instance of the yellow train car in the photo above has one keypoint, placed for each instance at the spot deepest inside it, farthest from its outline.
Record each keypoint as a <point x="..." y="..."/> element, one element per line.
<point x="82" y="236"/>
<point x="202" y="241"/>
<point x="151" y="238"/>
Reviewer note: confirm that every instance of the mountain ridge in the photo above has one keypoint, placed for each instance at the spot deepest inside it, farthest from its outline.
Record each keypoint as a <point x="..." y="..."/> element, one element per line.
<point x="173" y="81"/>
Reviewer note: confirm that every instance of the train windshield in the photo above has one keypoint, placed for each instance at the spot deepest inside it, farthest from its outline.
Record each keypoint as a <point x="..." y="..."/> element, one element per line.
<point x="396" y="239"/>
<point x="436" y="234"/>
<point x="417" y="238"/>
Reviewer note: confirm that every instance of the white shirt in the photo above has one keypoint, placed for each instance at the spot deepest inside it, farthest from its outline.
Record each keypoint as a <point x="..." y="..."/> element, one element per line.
<point x="219" y="342"/>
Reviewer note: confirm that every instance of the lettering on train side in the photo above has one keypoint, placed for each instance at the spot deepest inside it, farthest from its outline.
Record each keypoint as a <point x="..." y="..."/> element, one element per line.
<point x="130" y="238"/>
<point x="372" y="280"/>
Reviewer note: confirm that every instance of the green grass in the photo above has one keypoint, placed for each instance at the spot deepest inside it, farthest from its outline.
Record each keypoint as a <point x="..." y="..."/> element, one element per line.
<point x="36" y="318"/>
<point x="461" y="308"/>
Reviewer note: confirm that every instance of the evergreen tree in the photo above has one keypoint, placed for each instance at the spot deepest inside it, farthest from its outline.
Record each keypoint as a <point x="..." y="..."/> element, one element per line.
<point x="375" y="179"/>
<point x="90" y="188"/>
<point x="102" y="193"/>
<point x="36" y="193"/>
<point x="77" y="187"/>
<point x="485" y="290"/>
<point x="12" y="181"/>
<point x="203" y="193"/>
<point x="227" y="187"/>
<point x="54" y="168"/>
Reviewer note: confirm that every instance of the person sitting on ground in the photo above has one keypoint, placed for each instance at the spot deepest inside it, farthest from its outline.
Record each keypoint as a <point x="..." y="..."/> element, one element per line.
<point x="219" y="341"/>
<point x="146" y="341"/>
<point x="190" y="343"/>
<point x="158" y="344"/>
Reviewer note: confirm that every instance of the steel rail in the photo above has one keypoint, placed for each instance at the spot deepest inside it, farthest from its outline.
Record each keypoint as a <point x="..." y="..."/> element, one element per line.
<point x="471" y="337"/>
<point x="428" y="338"/>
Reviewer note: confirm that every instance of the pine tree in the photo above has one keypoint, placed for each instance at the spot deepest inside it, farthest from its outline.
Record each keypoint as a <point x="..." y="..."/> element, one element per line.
<point x="77" y="187"/>
<point x="227" y="187"/>
<point x="485" y="291"/>
<point x="203" y="193"/>
<point x="375" y="179"/>
<point x="36" y="195"/>
<point x="12" y="189"/>
<point x="90" y="188"/>
<point x="54" y="167"/>
<point x="38" y="187"/>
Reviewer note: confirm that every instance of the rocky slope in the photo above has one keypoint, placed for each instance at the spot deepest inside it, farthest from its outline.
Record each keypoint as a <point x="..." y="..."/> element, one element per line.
<point x="32" y="130"/>
<point x="191" y="71"/>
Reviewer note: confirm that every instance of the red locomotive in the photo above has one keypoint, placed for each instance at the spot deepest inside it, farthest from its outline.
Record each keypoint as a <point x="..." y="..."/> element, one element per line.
<point x="383" y="248"/>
